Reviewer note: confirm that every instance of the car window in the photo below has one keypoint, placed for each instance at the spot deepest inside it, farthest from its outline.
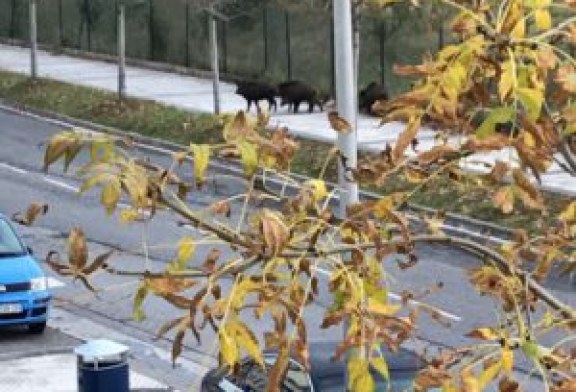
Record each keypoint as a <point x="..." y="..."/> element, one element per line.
<point x="9" y="243"/>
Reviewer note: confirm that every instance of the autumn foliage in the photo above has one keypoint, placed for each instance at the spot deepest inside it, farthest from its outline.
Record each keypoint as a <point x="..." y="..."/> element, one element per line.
<point x="505" y="86"/>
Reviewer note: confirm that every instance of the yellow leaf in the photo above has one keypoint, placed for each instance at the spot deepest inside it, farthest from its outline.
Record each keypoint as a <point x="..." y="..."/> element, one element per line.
<point x="384" y="309"/>
<point x="532" y="100"/>
<point x="111" y="195"/>
<point x="359" y="377"/>
<point x="507" y="359"/>
<point x="489" y="374"/>
<point x="186" y="248"/>
<point x="507" y="77"/>
<point x="246" y="339"/>
<point x="128" y="215"/>
<point x="201" y="159"/>
<point x="228" y="348"/>
<point x="137" y="311"/>
<point x="249" y="156"/>
<point x="543" y="19"/>
<point x="318" y="188"/>
<point x="569" y="213"/>
<point x="519" y="31"/>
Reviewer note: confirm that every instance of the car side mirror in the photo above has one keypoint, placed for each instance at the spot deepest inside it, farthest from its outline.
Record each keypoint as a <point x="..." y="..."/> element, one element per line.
<point x="30" y="251"/>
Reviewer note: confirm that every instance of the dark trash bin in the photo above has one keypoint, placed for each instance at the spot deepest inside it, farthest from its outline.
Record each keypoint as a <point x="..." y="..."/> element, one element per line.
<point x="103" y="367"/>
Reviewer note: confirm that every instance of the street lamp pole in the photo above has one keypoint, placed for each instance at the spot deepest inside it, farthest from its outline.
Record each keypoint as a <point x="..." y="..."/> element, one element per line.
<point x="346" y="100"/>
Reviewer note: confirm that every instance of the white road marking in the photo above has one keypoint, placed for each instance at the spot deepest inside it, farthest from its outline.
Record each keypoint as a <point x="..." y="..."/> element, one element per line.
<point x="397" y="297"/>
<point x="62" y="184"/>
<point x="54" y="283"/>
<point x="13" y="168"/>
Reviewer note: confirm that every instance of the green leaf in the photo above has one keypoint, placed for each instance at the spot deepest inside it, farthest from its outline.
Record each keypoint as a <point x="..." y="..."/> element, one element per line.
<point x="532" y="100"/>
<point x="137" y="312"/>
<point x="381" y="366"/>
<point x="497" y="116"/>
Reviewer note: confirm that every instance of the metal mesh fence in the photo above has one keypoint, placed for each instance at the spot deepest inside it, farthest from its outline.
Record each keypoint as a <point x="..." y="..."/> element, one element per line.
<point x="264" y="42"/>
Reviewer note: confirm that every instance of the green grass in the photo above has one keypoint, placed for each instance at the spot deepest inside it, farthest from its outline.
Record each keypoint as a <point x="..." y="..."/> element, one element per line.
<point x="165" y="122"/>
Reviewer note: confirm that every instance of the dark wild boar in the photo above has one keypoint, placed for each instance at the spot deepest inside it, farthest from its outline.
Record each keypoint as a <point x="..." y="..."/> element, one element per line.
<point x="372" y="93"/>
<point x="257" y="91"/>
<point x="294" y="92"/>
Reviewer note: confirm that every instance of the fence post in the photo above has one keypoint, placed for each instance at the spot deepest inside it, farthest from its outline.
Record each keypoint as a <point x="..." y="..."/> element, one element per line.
<point x="13" y="20"/>
<point x="265" y="36"/>
<point x="382" y="50"/>
<point x="33" y="40"/>
<point x="151" y="38"/>
<point x="121" y="48"/>
<point x="212" y="31"/>
<point x="60" y="23"/>
<point x="187" y="40"/>
<point x="288" y="45"/>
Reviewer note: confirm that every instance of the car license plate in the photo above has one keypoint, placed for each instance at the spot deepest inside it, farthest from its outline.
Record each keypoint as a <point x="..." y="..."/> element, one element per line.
<point x="10" y="308"/>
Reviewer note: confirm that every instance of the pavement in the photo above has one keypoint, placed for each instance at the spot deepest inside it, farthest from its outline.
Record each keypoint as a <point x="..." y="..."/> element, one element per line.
<point x="195" y="94"/>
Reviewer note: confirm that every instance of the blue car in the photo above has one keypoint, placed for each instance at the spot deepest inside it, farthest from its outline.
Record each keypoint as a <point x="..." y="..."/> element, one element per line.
<point x="24" y="295"/>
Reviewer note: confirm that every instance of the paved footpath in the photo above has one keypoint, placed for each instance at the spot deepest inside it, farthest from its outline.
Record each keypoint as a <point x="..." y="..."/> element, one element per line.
<point x="195" y="94"/>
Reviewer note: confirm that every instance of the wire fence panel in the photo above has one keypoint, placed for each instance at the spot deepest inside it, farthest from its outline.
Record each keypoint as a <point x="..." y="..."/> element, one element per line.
<point x="256" y="42"/>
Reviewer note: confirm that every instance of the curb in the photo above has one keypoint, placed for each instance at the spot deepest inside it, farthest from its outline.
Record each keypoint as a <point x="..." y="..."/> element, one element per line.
<point x="455" y="224"/>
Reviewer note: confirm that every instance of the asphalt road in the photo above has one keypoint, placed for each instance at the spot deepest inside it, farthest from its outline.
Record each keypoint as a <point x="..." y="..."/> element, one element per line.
<point x="22" y="182"/>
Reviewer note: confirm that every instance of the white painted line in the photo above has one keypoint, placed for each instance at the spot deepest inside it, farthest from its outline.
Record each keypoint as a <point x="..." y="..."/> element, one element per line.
<point x="54" y="283"/>
<point x="13" y="168"/>
<point x="62" y="184"/>
<point x="397" y="297"/>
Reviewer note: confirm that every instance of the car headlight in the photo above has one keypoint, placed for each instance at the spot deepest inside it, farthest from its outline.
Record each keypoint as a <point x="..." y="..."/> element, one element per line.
<point x="38" y="284"/>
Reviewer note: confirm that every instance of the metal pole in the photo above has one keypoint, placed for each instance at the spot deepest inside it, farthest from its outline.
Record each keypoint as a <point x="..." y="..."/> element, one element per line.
<point x="121" y="50"/>
<point x="346" y="100"/>
<point x="33" y="40"/>
<point x="212" y="31"/>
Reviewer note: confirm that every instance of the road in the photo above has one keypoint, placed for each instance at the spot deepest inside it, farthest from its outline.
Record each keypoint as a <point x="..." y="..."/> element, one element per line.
<point x="22" y="141"/>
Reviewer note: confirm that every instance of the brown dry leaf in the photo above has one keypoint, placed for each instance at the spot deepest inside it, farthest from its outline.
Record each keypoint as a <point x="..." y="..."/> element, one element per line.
<point x="338" y="123"/>
<point x="491" y="143"/>
<point x="221" y="207"/>
<point x="566" y="78"/>
<point x="77" y="249"/>
<point x="34" y="211"/>
<point x="484" y="334"/>
<point x="275" y="232"/>
<point x="405" y="138"/>
<point x="209" y="265"/>
<point x="435" y="154"/>
<point x="414" y="70"/>
<point x="531" y="191"/>
<point x="507" y="384"/>
<point x="504" y="199"/>
<point x="431" y="377"/>
<point x="168" y="284"/>
<point x="499" y="171"/>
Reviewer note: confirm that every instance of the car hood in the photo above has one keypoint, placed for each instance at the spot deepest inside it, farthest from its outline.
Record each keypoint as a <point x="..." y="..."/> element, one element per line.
<point x="18" y="269"/>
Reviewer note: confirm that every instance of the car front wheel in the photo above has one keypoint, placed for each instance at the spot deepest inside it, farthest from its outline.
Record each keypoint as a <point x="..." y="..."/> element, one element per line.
<point x="37" y="328"/>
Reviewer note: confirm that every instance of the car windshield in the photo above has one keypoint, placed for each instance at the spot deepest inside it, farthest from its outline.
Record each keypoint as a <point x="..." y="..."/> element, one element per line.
<point x="9" y="243"/>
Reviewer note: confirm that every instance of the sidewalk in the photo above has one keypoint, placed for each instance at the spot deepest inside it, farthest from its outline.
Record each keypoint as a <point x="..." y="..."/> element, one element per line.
<point x="57" y="373"/>
<point x="195" y="94"/>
